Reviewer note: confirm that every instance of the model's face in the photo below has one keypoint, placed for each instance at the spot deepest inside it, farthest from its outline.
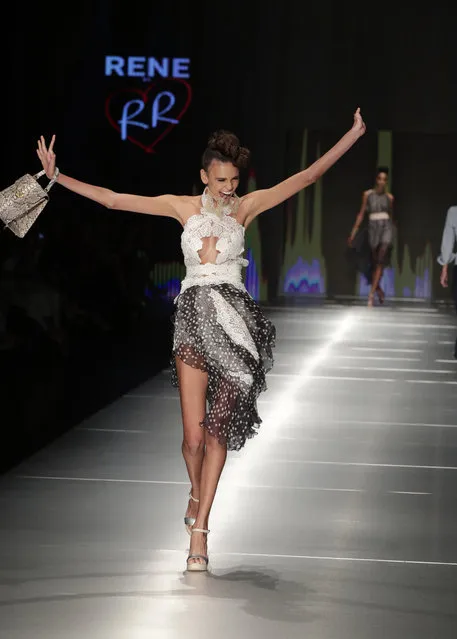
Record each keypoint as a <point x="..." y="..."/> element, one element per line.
<point x="381" y="181"/>
<point x="222" y="179"/>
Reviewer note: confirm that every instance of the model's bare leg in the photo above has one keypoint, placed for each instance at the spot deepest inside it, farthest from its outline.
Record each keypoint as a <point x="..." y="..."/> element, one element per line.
<point x="204" y="455"/>
<point x="213" y="463"/>
<point x="192" y="389"/>
<point x="375" y="283"/>
<point x="378" y="259"/>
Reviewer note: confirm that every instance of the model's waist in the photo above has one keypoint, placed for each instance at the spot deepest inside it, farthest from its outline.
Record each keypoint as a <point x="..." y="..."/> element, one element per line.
<point x="230" y="269"/>
<point x="214" y="274"/>
<point x="379" y="215"/>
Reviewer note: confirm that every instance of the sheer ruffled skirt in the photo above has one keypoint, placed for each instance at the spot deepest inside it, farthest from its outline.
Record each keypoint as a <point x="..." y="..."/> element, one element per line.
<point x="222" y="331"/>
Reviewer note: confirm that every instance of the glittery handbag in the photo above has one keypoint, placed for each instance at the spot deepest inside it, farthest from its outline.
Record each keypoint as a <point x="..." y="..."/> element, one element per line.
<point x="22" y="202"/>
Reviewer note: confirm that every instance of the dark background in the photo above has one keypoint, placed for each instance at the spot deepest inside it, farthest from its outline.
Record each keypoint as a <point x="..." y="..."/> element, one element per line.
<point x="266" y="70"/>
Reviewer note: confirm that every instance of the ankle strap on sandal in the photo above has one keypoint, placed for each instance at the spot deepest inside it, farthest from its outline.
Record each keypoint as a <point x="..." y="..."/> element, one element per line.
<point x="200" y="530"/>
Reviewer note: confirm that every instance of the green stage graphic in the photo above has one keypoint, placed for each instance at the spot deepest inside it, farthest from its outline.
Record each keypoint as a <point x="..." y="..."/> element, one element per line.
<point x="255" y="283"/>
<point x="303" y="270"/>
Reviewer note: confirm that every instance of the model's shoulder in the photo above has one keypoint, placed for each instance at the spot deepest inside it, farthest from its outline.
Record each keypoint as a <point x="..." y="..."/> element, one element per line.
<point x="190" y="199"/>
<point x="189" y="206"/>
<point x="190" y="203"/>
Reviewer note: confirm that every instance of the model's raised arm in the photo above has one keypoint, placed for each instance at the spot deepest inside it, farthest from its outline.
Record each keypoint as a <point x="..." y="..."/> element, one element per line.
<point x="160" y="205"/>
<point x="166" y="205"/>
<point x="259" y="201"/>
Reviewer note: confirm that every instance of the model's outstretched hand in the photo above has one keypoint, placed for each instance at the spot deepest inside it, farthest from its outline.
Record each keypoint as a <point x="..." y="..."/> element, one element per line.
<point x="47" y="156"/>
<point x="359" y="125"/>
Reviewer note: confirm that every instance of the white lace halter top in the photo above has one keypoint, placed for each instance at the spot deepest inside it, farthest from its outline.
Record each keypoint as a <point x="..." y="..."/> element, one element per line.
<point x="229" y="245"/>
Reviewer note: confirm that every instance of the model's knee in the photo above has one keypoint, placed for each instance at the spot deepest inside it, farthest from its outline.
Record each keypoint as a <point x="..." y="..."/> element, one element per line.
<point x="193" y="444"/>
<point x="213" y="444"/>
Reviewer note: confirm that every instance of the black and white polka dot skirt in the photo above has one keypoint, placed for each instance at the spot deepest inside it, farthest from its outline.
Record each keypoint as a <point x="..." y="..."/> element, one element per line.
<point x="220" y="330"/>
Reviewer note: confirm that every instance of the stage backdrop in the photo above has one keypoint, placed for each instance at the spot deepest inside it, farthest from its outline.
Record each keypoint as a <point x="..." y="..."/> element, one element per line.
<point x="134" y="94"/>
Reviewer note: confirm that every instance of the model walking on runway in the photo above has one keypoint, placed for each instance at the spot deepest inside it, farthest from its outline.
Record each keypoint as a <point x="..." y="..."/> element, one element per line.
<point x="377" y="203"/>
<point x="222" y="347"/>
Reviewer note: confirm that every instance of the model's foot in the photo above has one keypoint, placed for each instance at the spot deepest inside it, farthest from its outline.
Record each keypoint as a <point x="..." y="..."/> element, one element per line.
<point x="198" y="546"/>
<point x="381" y="295"/>
<point x="370" y="300"/>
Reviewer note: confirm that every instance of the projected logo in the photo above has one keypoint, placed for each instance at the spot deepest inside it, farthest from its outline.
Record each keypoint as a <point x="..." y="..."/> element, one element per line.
<point x="145" y="115"/>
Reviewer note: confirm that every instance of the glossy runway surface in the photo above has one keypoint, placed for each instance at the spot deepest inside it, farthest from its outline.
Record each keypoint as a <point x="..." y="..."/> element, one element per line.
<point x="339" y="521"/>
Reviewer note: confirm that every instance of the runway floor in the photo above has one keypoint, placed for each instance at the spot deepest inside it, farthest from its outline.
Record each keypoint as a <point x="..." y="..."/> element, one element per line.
<point x="338" y="521"/>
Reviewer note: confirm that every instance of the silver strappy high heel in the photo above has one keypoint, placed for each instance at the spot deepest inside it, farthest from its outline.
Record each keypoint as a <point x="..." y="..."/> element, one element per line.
<point x="190" y="521"/>
<point x="196" y="566"/>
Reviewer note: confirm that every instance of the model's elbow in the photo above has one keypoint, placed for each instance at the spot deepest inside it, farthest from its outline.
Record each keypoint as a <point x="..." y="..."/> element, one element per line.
<point x="311" y="176"/>
<point x="111" y="200"/>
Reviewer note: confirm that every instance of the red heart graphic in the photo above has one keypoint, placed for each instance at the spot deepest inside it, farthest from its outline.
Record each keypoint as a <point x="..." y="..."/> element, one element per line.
<point x="144" y="94"/>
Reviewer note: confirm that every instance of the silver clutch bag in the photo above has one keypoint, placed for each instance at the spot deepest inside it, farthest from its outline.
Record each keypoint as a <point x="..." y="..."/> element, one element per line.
<point x="22" y="202"/>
